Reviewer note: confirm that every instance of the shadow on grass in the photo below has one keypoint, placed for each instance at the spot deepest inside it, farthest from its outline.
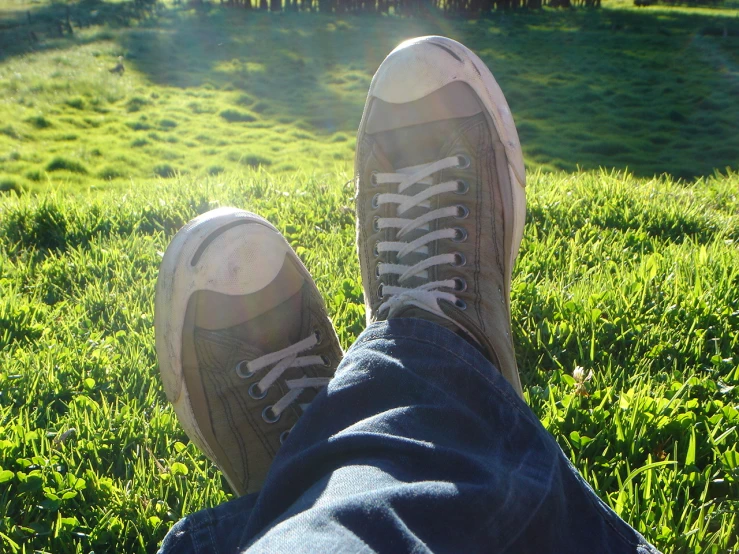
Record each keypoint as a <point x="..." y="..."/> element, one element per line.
<point x="38" y="27"/>
<point x="649" y="90"/>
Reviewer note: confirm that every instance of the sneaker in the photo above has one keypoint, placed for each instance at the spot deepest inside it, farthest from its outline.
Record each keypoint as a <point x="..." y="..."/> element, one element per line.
<point x="243" y="340"/>
<point x="440" y="196"/>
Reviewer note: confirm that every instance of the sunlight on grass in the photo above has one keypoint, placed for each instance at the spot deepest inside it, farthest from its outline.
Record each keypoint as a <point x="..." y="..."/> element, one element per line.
<point x="647" y="91"/>
<point x="625" y="311"/>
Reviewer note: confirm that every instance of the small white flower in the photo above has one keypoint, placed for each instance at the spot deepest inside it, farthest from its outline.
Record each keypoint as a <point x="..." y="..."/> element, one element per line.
<point x="580" y="379"/>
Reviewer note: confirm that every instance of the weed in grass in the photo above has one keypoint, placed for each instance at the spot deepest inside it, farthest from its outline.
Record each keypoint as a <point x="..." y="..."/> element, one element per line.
<point x="63" y="164"/>
<point x="39" y="122"/>
<point x="10" y="184"/>
<point x="77" y="103"/>
<point x="135" y="104"/>
<point x="233" y="115"/>
<point x="164" y="170"/>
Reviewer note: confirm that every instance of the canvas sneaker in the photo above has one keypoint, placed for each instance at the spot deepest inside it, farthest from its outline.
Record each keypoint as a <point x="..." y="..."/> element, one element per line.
<point x="440" y="195"/>
<point x="243" y="340"/>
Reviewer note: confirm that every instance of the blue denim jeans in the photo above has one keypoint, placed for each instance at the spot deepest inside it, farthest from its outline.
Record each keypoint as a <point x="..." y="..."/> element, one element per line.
<point x="417" y="445"/>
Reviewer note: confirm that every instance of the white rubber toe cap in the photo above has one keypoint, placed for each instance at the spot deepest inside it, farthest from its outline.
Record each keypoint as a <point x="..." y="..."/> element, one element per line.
<point x="421" y="66"/>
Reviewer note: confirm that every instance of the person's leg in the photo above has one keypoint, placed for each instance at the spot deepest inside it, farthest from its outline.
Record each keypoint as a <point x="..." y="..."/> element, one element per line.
<point x="420" y="445"/>
<point x="420" y="442"/>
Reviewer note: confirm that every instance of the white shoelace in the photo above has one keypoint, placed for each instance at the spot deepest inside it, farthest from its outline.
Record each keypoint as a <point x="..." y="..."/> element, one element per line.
<point x="283" y="360"/>
<point x="427" y="295"/>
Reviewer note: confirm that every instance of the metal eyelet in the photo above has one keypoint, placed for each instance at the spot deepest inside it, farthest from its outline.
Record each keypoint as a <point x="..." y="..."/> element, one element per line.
<point x="459" y="260"/>
<point x="240" y="367"/>
<point x="376" y="250"/>
<point x="377" y="271"/>
<point x="462" y="212"/>
<point x="461" y="304"/>
<point x="283" y="436"/>
<point x="373" y="178"/>
<point x="380" y="295"/>
<point x="376" y="224"/>
<point x="460" y="285"/>
<point x="461" y="235"/>
<point x="325" y="360"/>
<point x="254" y="393"/>
<point x="463" y="162"/>
<point x="462" y="187"/>
<point x="375" y="199"/>
<point x="269" y="418"/>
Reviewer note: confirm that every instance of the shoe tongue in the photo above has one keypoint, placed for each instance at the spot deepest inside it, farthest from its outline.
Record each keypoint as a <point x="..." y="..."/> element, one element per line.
<point x="418" y="132"/>
<point x="418" y="144"/>
<point x="420" y="313"/>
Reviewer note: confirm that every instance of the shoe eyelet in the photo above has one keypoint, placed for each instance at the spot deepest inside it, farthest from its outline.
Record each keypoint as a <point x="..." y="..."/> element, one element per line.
<point x="254" y="392"/>
<point x="269" y="418"/>
<point x="376" y="224"/>
<point x="377" y="271"/>
<point x="463" y="162"/>
<point x="283" y="436"/>
<point x="462" y="212"/>
<point x="326" y="361"/>
<point x="375" y="199"/>
<point x="317" y="333"/>
<point x="376" y="250"/>
<point x="380" y="295"/>
<point x="373" y="178"/>
<point x="460" y="285"/>
<point x="461" y="235"/>
<point x="461" y="304"/>
<point x="459" y="260"/>
<point x="462" y="187"/>
<point x="240" y="367"/>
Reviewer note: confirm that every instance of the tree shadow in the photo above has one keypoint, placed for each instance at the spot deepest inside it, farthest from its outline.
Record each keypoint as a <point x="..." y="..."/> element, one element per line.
<point x="651" y="91"/>
<point x="38" y="27"/>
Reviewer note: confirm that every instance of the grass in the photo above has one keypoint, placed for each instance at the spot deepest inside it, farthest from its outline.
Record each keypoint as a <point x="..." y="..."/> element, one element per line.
<point x="650" y="90"/>
<point x="623" y="274"/>
<point x="640" y="293"/>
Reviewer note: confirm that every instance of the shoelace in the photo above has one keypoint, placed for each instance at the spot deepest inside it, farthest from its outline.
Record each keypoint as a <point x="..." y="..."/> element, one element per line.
<point x="283" y="360"/>
<point x="427" y="295"/>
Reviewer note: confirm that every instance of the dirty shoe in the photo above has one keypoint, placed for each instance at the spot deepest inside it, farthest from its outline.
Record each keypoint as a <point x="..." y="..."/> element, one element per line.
<point x="440" y="196"/>
<point x="243" y="340"/>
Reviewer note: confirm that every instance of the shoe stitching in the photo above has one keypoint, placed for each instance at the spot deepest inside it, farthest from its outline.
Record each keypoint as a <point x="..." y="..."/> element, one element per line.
<point x="220" y="385"/>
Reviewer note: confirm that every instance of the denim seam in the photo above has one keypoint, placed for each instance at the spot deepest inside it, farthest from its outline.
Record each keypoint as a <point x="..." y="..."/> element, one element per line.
<point x="210" y="521"/>
<point x="603" y="509"/>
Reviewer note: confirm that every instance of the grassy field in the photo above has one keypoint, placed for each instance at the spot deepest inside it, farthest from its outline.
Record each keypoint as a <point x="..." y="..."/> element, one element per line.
<point x="652" y="91"/>
<point x="630" y="276"/>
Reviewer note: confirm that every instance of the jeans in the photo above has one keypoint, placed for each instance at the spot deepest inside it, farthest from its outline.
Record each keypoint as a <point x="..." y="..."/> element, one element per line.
<point x="417" y="445"/>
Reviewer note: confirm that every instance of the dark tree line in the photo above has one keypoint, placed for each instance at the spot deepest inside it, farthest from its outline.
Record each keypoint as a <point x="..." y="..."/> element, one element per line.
<point x="406" y="7"/>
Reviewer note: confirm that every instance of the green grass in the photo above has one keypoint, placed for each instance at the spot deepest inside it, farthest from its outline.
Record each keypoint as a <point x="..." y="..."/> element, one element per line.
<point x="630" y="276"/>
<point x="650" y="90"/>
<point x="633" y="279"/>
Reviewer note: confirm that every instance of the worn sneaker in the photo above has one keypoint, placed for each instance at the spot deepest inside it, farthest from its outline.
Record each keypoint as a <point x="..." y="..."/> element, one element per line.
<point x="243" y="340"/>
<point x="440" y="195"/>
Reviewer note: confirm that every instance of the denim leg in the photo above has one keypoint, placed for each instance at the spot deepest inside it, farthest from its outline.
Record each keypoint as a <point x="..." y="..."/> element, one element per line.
<point x="420" y="445"/>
